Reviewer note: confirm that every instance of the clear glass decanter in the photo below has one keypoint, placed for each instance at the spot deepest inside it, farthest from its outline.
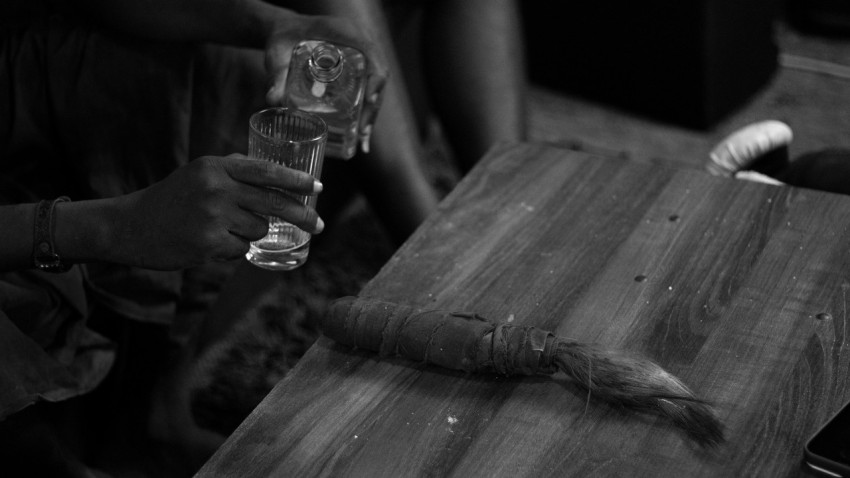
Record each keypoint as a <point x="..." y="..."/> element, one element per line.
<point x="330" y="80"/>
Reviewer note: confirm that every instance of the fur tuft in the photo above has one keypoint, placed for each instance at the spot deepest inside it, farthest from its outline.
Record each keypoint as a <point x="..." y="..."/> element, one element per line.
<point x="639" y="384"/>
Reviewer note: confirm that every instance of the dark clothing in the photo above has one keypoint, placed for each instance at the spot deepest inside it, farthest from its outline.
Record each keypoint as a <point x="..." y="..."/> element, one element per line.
<point x="90" y="114"/>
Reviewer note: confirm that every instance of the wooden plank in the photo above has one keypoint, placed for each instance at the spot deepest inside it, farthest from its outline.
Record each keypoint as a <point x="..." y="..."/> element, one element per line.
<point x="723" y="282"/>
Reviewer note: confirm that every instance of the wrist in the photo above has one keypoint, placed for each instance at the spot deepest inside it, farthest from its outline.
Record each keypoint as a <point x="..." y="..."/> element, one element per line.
<point x="45" y="256"/>
<point x="85" y="231"/>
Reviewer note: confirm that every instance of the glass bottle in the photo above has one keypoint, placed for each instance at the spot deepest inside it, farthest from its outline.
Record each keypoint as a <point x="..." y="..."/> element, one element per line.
<point x="330" y="81"/>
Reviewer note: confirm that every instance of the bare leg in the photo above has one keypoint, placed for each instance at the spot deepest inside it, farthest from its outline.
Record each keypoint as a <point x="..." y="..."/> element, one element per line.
<point x="392" y="174"/>
<point x="476" y="73"/>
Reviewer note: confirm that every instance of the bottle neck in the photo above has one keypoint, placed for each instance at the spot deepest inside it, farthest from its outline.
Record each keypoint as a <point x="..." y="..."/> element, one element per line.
<point x="326" y="62"/>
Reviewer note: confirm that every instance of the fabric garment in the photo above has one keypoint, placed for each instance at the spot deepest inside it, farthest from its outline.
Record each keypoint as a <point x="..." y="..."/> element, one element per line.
<point x="46" y="351"/>
<point x="92" y="114"/>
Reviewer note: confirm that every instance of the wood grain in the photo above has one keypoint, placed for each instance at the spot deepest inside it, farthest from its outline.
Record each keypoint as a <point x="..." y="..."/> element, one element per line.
<point x="725" y="283"/>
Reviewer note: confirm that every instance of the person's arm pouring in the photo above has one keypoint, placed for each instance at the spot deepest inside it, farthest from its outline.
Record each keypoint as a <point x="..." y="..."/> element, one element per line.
<point x="242" y="23"/>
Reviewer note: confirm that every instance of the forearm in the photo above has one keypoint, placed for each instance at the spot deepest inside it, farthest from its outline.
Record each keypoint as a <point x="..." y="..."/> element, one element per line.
<point x="81" y="233"/>
<point x="245" y="23"/>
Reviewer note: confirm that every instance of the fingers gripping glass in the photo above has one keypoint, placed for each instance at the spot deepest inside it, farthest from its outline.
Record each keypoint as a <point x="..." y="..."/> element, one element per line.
<point x="296" y="140"/>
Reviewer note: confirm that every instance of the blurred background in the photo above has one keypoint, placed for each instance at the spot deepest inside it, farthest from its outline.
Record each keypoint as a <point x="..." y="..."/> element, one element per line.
<point x="657" y="79"/>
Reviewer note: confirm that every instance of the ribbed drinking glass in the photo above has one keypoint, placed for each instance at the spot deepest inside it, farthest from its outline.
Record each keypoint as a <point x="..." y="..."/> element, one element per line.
<point x="295" y="139"/>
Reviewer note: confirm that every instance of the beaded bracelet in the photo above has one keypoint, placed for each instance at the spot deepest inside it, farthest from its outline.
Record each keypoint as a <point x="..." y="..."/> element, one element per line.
<point x="44" y="255"/>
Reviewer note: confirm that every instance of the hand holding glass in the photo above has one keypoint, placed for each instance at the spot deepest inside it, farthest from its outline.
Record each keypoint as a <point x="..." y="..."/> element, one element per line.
<point x="295" y="139"/>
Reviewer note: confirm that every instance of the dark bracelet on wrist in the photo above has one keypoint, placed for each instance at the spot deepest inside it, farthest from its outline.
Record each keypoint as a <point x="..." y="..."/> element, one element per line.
<point x="44" y="254"/>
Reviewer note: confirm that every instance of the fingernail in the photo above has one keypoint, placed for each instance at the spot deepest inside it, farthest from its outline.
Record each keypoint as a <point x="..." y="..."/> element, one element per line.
<point x="317" y="187"/>
<point x="365" y="137"/>
<point x="320" y="225"/>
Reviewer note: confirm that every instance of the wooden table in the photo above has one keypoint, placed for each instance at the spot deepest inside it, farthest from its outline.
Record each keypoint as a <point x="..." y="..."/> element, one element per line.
<point x="738" y="288"/>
